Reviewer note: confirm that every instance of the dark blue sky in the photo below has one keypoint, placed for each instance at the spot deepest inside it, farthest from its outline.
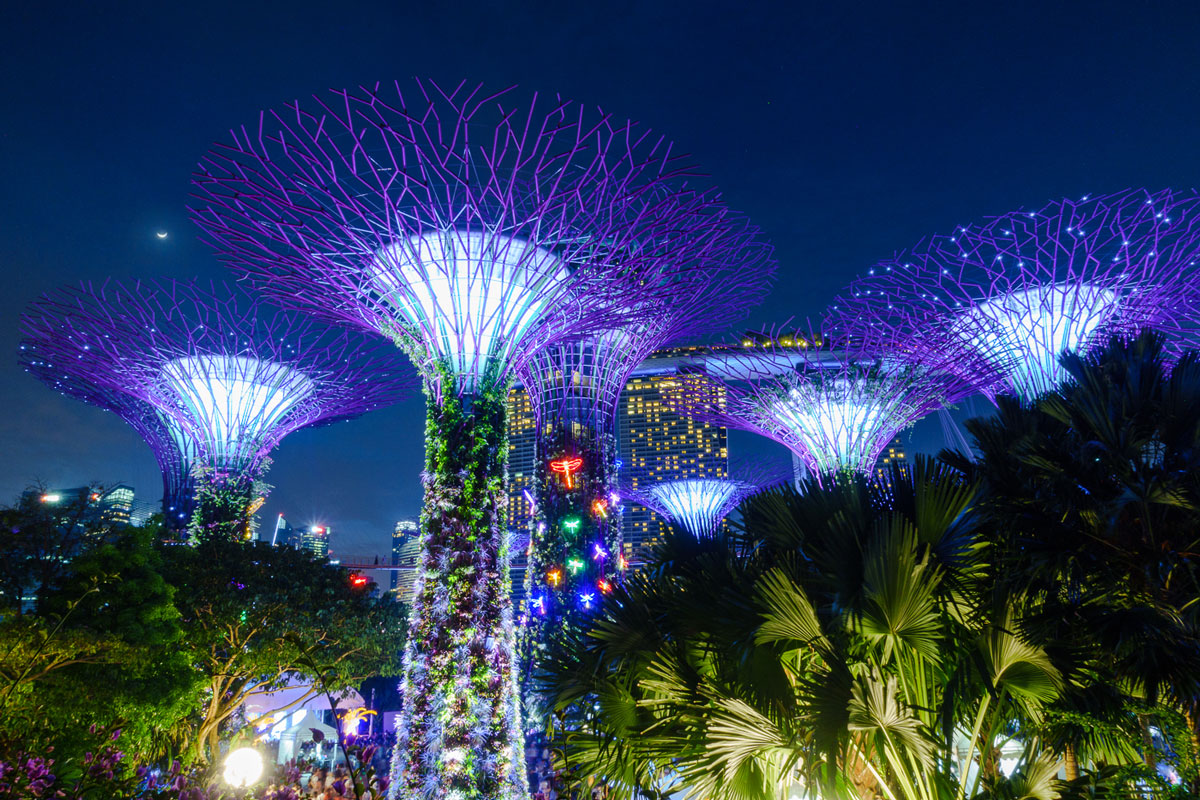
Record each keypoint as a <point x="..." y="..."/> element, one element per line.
<point x="846" y="130"/>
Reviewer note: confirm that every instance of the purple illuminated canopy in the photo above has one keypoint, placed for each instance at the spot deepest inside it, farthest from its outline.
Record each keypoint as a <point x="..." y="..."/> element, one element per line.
<point x="175" y="456"/>
<point x="1023" y="287"/>
<point x="470" y="231"/>
<point x="225" y="378"/>
<point x="699" y="505"/>
<point x="837" y="404"/>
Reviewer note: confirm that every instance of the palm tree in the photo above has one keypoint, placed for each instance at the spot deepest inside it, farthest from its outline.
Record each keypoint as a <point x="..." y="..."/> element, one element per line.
<point x="1093" y="497"/>
<point x="848" y="639"/>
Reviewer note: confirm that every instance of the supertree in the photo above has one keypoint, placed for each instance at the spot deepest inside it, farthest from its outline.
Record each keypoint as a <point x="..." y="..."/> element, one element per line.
<point x="1022" y="288"/>
<point x="472" y="233"/>
<point x="176" y="456"/>
<point x="699" y="505"/>
<point x="834" y="402"/>
<point x="575" y="387"/>
<point x="210" y="379"/>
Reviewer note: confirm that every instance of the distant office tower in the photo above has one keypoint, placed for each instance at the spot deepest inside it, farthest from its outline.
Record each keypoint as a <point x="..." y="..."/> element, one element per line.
<point x="522" y="462"/>
<point x="316" y="539"/>
<point x="406" y="546"/>
<point x="282" y="534"/>
<point x="894" y="454"/>
<point x="140" y="511"/>
<point x="101" y="509"/>
<point x="657" y="444"/>
<point x="116" y="505"/>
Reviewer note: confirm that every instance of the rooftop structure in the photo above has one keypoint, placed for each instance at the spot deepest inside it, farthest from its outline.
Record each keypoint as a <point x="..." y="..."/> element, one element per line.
<point x="212" y="381"/>
<point x="1023" y="287"/>
<point x="472" y="232"/>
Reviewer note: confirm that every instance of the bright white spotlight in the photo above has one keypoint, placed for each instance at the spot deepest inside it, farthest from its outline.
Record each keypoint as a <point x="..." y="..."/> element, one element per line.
<point x="243" y="767"/>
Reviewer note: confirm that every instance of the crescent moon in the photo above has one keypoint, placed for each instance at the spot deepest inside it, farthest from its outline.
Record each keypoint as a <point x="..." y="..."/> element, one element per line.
<point x="161" y="234"/>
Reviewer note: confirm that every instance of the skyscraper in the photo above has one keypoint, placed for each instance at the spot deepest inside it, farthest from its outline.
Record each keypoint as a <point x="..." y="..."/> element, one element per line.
<point x="656" y="444"/>
<point x="283" y="534"/>
<point x="406" y="546"/>
<point x="893" y="455"/>
<point x="522" y="460"/>
<point x="96" y="508"/>
<point x="316" y="539"/>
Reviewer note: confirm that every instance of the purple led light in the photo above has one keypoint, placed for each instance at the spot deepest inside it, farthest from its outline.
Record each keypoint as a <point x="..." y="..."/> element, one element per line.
<point x="205" y="376"/>
<point x="835" y="406"/>
<point x="1021" y="288"/>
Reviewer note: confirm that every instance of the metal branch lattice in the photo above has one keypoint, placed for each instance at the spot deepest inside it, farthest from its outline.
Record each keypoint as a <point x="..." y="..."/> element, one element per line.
<point x="1023" y="287"/>
<point x="471" y="232"/>
<point x="581" y="381"/>
<point x="697" y="504"/>
<point x="836" y="407"/>
<point x="225" y="379"/>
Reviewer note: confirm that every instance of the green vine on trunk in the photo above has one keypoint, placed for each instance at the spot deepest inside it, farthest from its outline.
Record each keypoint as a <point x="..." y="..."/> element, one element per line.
<point x="459" y="734"/>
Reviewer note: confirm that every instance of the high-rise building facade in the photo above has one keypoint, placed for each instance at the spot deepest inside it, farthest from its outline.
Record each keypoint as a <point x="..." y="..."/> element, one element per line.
<point x="406" y="546"/>
<point x="657" y="444"/>
<point x="892" y="456"/>
<point x="522" y="459"/>
<point x="94" y="508"/>
<point x="522" y="462"/>
<point x="282" y="534"/>
<point x="315" y="538"/>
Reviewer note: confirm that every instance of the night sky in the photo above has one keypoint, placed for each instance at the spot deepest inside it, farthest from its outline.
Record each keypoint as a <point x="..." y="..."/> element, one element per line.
<point x="846" y="131"/>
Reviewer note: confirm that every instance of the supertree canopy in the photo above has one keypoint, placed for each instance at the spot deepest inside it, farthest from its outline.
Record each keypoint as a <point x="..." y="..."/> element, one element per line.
<point x="212" y="381"/>
<point x="1023" y="287"/>
<point x="574" y="389"/>
<point x="835" y="403"/>
<point x="472" y="232"/>
<point x="699" y="505"/>
<point x="176" y="455"/>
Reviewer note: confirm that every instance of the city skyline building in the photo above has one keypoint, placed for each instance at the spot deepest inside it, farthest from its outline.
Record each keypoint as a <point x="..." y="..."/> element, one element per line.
<point x="315" y="539"/>
<point x="472" y="233"/>
<point x="283" y="534"/>
<point x="893" y="457"/>
<point x="211" y="379"/>
<point x="660" y="444"/>
<point x="406" y="548"/>
<point x="101" y="507"/>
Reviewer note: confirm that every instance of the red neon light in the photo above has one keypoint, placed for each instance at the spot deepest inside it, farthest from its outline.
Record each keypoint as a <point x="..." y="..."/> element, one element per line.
<point x="567" y="466"/>
<point x="359" y="580"/>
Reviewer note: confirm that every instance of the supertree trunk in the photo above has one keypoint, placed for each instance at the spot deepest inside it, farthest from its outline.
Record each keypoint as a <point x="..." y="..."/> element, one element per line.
<point x="179" y="499"/>
<point x="459" y="735"/>
<point x="574" y="556"/>
<point x="576" y="541"/>
<point x="225" y="502"/>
